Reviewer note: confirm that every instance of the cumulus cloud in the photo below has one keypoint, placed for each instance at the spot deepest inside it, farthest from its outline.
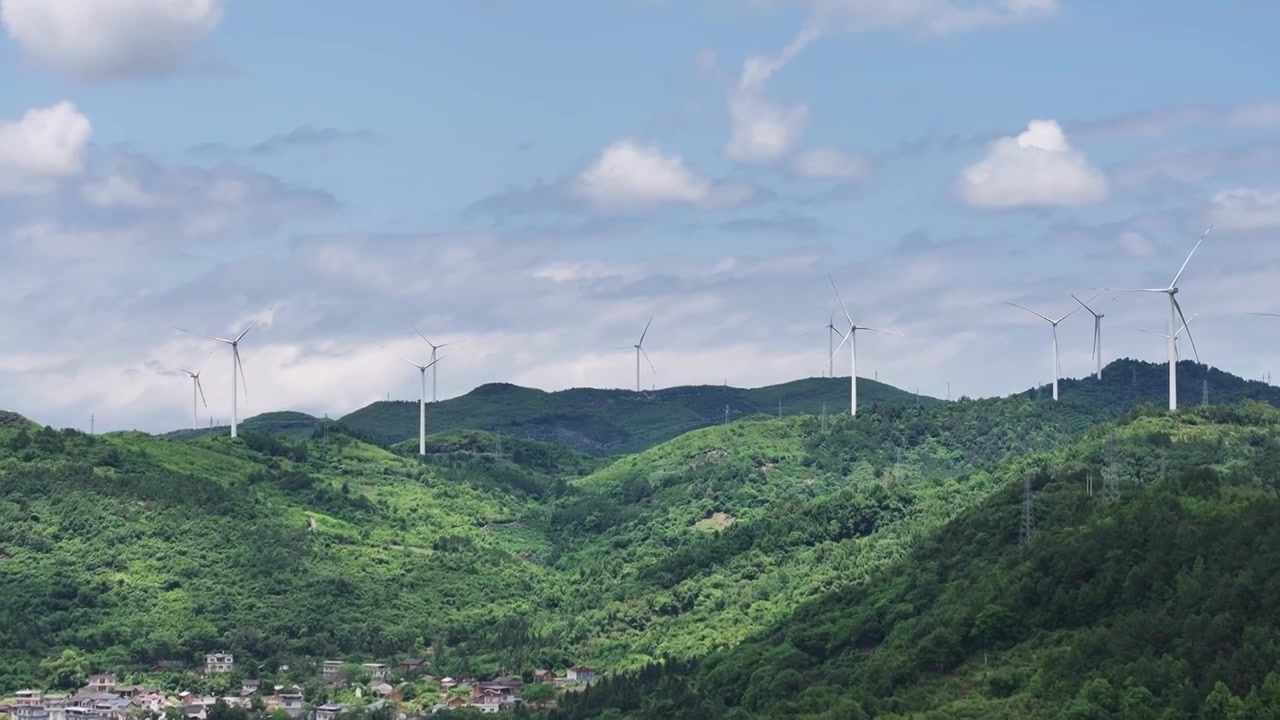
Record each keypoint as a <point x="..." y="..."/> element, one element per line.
<point x="98" y="40"/>
<point x="628" y="174"/>
<point x="1246" y="209"/>
<point x="764" y="130"/>
<point x="1036" y="168"/>
<point x="828" y="163"/>
<point x="41" y="148"/>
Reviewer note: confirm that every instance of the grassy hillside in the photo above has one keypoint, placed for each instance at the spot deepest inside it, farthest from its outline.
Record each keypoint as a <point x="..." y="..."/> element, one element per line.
<point x="612" y="422"/>
<point x="1159" y="602"/>
<point x="288" y="425"/>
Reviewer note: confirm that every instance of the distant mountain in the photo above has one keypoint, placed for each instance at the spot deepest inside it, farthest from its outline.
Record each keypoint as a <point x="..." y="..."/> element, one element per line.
<point x="285" y="424"/>
<point x="615" y="422"/>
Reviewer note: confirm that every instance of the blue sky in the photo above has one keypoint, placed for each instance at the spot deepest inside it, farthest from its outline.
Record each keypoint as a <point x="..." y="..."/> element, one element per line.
<point x="536" y="181"/>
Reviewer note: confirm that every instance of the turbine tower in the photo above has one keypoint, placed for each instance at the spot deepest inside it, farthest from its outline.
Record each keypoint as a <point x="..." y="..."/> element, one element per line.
<point x="851" y="337"/>
<point x="831" y="346"/>
<point x="1057" y="366"/>
<point x="236" y="365"/>
<point x="195" y="388"/>
<point x="1175" y="312"/>
<point x="1097" y="331"/>
<point x="434" y="349"/>
<point x="639" y="347"/>
<point x="422" y="397"/>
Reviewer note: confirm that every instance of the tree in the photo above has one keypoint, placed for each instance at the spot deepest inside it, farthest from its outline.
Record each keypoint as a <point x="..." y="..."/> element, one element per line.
<point x="67" y="671"/>
<point x="538" y="693"/>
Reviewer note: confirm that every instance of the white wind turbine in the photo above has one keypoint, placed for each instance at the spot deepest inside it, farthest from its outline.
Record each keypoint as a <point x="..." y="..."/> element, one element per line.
<point x="422" y="398"/>
<point x="1165" y="335"/>
<point x="195" y="388"/>
<point x="434" y="349"/>
<point x="851" y="337"/>
<point x="236" y="365"/>
<point x="639" y="347"/>
<point x="1175" y="312"/>
<point x="831" y="346"/>
<point x="1097" y="330"/>
<point x="1057" y="366"/>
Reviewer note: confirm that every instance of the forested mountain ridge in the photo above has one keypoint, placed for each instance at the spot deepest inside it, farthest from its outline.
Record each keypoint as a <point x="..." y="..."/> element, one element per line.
<point x="616" y="422"/>
<point x="595" y="421"/>
<point x="1155" y="596"/>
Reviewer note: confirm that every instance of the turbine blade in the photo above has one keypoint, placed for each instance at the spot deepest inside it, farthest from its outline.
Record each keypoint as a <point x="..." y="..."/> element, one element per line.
<point x="201" y="389"/>
<point x="433" y="362"/>
<point x="1152" y="333"/>
<point x="882" y="330"/>
<point x="646" y="331"/>
<point x="1064" y="317"/>
<point x="843" y="340"/>
<point x="244" y="382"/>
<point x="255" y="322"/>
<point x="646" y="359"/>
<point x="1033" y="312"/>
<point x="1265" y="314"/>
<point x="384" y="347"/>
<point x="847" y="316"/>
<point x="424" y="337"/>
<point x="1160" y="290"/>
<point x="1184" y="263"/>
<point x="1084" y="305"/>
<point x="1178" y="307"/>
<point x="193" y="332"/>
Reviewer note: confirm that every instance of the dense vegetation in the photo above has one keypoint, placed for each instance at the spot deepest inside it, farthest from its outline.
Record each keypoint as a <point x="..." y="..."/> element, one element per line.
<point x="814" y="548"/>
<point x="1161" y="600"/>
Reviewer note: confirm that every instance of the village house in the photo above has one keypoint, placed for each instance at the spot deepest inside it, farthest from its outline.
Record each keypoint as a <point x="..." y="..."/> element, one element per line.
<point x="101" y="682"/>
<point x="76" y="712"/>
<point x="377" y="671"/>
<point x="544" y="676"/>
<point x="413" y="665"/>
<point x="250" y="687"/>
<point x="291" y="703"/>
<point x="580" y="674"/>
<point x="327" y="712"/>
<point x="218" y="663"/>
<point x="497" y="695"/>
<point x="331" y="670"/>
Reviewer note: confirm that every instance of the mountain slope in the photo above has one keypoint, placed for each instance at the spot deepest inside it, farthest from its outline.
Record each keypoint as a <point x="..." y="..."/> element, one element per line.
<point x="130" y="549"/>
<point x="1162" y="603"/>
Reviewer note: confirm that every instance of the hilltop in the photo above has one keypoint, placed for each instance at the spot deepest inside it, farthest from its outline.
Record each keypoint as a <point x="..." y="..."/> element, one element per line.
<point x="1154" y="600"/>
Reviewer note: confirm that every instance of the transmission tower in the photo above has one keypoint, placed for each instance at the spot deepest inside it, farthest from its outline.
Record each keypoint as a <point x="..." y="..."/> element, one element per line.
<point x="1110" y="477"/>
<point x="1088" y="484"/>
<point x="1028" y="530"/>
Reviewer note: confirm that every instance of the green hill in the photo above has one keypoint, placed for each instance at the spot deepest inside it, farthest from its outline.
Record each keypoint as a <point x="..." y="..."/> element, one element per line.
<point x="1158" y="601"/>
<point x="287" y="424"/>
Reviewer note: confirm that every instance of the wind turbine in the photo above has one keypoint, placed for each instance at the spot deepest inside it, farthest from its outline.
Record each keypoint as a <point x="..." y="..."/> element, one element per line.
<point x="422" y="398"/>
<point x="851" y="337"/>
<point x="434" y="349"/>
<point x="235" y="364"/>
<point x="1176" y="354"/>
<point x="640" y="351"/>
<point x="831" y="347"/>
<point x="195" y="388"/>
<point x="1057" y="366"/>
<point x="1175" y="312"/>
<point x="1097" y="330"/>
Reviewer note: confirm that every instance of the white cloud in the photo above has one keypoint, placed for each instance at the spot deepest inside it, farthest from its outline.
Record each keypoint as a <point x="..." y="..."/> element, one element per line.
<point x="928" y="17"/>
<point x="109" y="39"/>
<point x="1246" y="209"/>
<point x="827" y="163"/>
<point x="1260" y="115"/>
<point x="1135" y="244"/>
<point x="764" y="131"/>
<point x="42" y="147"/>
<point x="1036" y="168"/>
<point x="116" y="191"/>
<point x="632" y="176"/>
